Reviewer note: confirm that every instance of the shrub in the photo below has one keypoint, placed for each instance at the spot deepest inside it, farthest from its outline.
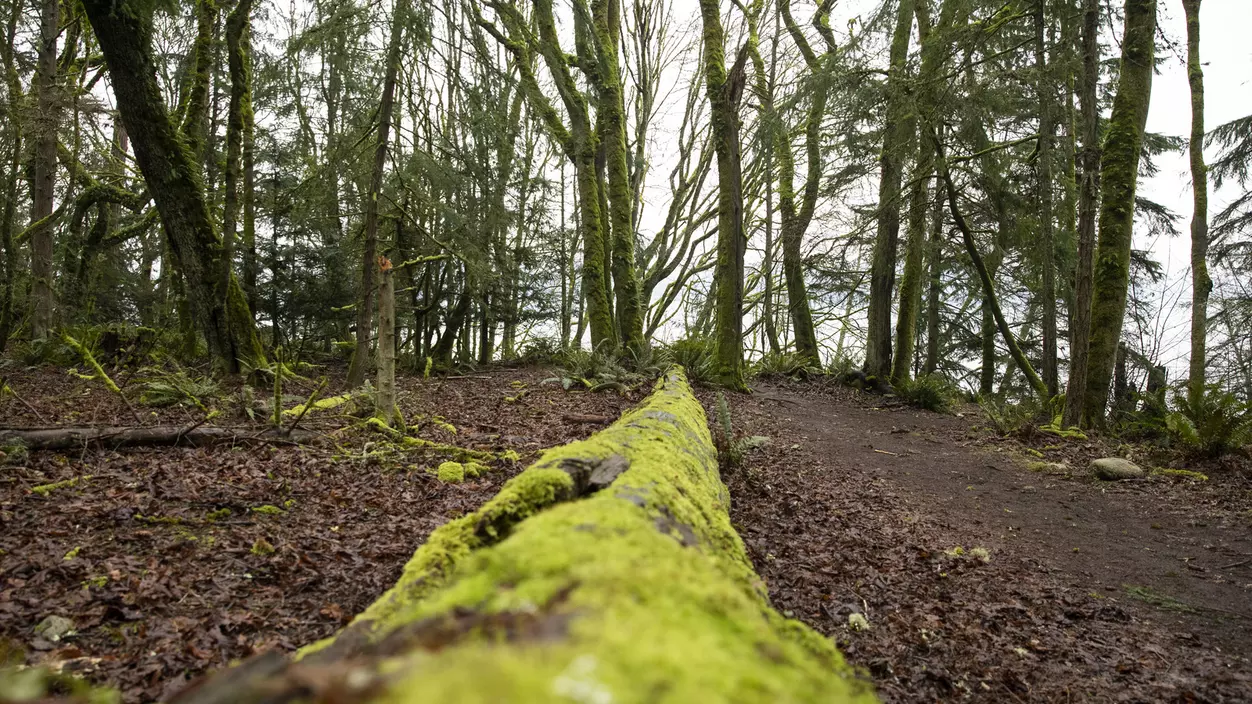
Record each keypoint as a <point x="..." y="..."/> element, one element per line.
<point x="1217" y="424"/>
<point x="695" y="354"/>
<point x="171" y="388"/>
<point x="540" y="350"/>
<point x="784" y="364"/>
<point x="932" y="392"/>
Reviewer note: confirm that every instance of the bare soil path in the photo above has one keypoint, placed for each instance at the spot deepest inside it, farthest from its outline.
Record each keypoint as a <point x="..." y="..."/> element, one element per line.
<point x="1090" y="591"/>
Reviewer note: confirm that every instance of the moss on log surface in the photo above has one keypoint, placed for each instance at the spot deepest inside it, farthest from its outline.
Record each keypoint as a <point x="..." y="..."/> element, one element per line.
<point x="608" y="571"/>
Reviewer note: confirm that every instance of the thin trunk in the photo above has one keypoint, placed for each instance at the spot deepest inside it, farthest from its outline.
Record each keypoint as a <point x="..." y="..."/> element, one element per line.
<point x="971" y="247"/>
<point x="386" y="109"/>
<point x="14" y="134"/>
<point x="385" y="402"/>
<point x="934" y="263"/>
<point x="1201" y="285"/>
<point x="43" y="187"/>
<point x="1119" y="175"/>
<point x="238" y="113"/>
<point x="1088" y="197"/>
<point x="887" y="236"/>
<point x="1043" y="167"/>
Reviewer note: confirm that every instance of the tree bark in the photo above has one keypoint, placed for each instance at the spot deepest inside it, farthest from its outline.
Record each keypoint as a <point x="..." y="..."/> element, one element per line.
<point x="1201" y="285"/>
<point x="44" y="161"/>
<point x="1088" y="197"/>
<point x="156" y="435"/>
<point x="385" y="403"/>
<point x="887" y="236"/>
<point x="359" y="365"/>
<point x="1043" y="175"/>
<point x="724" y="89"/>
<point x="174" y="180"/>
<point x="1119" y="174"/>
<point x="580" y="580"/>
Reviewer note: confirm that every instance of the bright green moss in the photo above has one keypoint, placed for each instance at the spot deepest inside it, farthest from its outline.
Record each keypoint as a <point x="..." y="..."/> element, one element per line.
<point x="640" y="592"/>
<point x="267" y="510"/>
<point x="474" y="469"/>
<point x="321" y="405"/>
<point x="45" y="489"/>
<point x="452" y="472"/>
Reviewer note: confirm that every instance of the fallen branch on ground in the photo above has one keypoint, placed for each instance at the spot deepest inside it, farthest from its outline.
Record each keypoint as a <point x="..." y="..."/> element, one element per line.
<point x="114" y="437"/>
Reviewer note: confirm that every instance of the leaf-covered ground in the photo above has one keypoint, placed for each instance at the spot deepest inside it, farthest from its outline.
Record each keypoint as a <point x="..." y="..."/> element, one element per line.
<point x="173" y="561"/>
<point x="1086" y="591"/>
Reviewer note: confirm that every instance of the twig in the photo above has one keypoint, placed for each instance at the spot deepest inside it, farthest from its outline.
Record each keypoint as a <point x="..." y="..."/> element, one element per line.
<point x="885" y="452"/>
<point x="4" y="386"/>
<point x="1240" y="563"/>
<point x="307" y="405"/>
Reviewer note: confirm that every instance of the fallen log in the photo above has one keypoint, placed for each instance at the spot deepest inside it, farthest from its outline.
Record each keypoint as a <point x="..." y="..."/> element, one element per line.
<point x="156" y="435"/>
<point x="608" y="571"/>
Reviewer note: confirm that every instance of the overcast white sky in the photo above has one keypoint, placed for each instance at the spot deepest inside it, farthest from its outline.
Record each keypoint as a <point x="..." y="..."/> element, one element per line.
<point x="1227" y="56"/>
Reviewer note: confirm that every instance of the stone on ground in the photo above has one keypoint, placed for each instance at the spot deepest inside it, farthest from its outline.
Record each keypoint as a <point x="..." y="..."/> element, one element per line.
<point x="1115" y="468"/>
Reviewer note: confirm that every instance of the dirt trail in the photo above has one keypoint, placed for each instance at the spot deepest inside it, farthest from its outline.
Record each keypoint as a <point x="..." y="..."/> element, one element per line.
<point x="1124" y="579"/>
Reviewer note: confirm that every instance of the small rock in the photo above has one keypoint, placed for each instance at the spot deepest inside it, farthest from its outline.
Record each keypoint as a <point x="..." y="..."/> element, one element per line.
<point x="54" y="628"/>
<point x="1115" y="468"/>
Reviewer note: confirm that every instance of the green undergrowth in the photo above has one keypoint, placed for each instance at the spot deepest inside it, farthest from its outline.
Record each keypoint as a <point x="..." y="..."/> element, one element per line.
<point x="640" y="591"/>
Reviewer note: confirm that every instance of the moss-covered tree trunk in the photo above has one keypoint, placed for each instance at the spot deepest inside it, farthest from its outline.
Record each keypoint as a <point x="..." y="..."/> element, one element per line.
<point x="896" y="137"/>
<point x="1088" y="197"/>
<point x="1119" y="175"/>
<point x="359" y="366"/>
<point x="44" y="168"/>
<point x="13" y="135"/>
<point x="795" y="220"/>
<point x="124" y="32"/>
<point x="1200" y="282"/>
<point x="935" y="50"/>
<point x="607" y="25"/>
<point x="238" y="113"/>
<point x="607" y="571"/>
<point x="724" y="89"/>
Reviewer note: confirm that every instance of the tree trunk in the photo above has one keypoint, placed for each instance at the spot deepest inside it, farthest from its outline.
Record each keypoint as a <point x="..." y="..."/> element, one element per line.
<point x="1201" y="285"/>
<point x="611" y="112"/>
<point x="579" y="581"/>
<point x="724" y="90"/>
<point x="174" y="181"/>
<point x="1119" y="174"/>
<point x="386" y="108"/>
<point x="56" y="439"/>
<point x="44" y="160"/>
<point x="1043" y="174"/>
<point x="886" y="240"/>
<point x="13" y="132"/>
<point x="984" y="276"/>
<point x="1088" y="197"/>
<point x="238" y="113"/>
<point x="385" y="402"/>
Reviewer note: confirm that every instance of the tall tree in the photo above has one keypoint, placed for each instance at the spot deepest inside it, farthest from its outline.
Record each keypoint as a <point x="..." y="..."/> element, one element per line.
<point x="896" y="137"/>
<point x="124" y="33"/>
<point x="724" y="89"/>
<point x="1119" y="174"/>
<point x="1043" y="183"/>
<point x="44" y="163"/>
<point x="1201" y="285"/>
<point x="359" y="366"/>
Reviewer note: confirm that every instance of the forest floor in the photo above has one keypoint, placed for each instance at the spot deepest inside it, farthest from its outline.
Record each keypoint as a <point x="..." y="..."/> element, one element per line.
<point x="173" y="561"/>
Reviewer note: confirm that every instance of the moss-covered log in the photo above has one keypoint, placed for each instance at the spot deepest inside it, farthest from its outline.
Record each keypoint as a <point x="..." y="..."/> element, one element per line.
<point x="607" y="571"/>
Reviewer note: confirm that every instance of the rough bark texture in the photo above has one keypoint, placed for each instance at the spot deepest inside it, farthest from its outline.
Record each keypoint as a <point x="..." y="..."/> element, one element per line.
<point x="1088" y="196"/>
<point x="44" y="163"/>
<point x="607" y="22"/>
<point x="1201" y="285"/>
<point x="1119" y="174"/>
<point x="124" y="32"/>
<point x="887" y="238"/>
<point x="724" y="88"/>
<point x="1043" y="175"/>
<point x="607" y="571"/>
<point x="385" y="406"/>
<point x="386" y="108"/>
